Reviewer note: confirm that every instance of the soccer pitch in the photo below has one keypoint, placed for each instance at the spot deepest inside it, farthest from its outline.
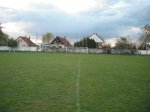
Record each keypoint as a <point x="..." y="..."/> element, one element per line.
<point x="49" y="82"/>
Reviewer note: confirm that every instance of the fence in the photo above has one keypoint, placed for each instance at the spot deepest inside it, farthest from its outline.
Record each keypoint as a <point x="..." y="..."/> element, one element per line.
<point x="144" y="52"/>
<point x="67" y="50"/>
<point x="121" y="51"/>
<point x="84" y="50"/>
<point x="6" y="48"/>
<point x="125" y="51"/>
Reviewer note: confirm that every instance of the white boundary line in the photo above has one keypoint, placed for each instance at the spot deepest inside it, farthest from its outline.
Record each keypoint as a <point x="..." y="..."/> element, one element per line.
<point x="78" y="87"/>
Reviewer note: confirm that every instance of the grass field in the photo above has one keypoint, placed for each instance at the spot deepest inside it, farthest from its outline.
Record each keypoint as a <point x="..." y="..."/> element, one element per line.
<point x="45" y="82"/>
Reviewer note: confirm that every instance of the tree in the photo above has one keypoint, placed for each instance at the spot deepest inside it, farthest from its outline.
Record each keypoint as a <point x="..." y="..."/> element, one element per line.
<point x="132" y="47"/>
<point x="57" y="40"/>
<point x="47" y="38"/>
<point x="12" y="43"/>
<point x="125" y="45"/>
<point x="85" y="42"/>
<point x="122" y="43"/>
<point x="3" y="37"/>
<point x="107" y="48"/>
<point x="144" y="38"/>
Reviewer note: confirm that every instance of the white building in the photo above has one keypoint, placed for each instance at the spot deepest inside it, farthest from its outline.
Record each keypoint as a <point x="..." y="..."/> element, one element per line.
<point x="25" y="42"/>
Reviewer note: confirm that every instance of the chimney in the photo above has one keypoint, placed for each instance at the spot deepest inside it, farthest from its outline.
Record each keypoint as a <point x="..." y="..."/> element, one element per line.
<point x="29" y="37"/>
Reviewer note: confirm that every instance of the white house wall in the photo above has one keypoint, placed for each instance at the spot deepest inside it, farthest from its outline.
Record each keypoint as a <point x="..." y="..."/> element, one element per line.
<point x="59" y="45"/>
<point x="21" y="42"/>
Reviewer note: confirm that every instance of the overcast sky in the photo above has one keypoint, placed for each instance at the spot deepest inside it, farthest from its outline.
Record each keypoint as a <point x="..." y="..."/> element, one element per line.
<point x="74" y="18"/>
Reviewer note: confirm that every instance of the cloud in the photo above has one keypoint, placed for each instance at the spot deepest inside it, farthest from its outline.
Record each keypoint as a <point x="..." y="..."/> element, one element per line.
<point x="75" y="18"/>
<point x="120" y="5"/>
<point x="73" y="6"/>
<point x="16" y="28"/>
<point x="111" y="41"/>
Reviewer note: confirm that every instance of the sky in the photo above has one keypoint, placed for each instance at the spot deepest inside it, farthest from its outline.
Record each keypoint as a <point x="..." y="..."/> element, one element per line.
<point x="74" y="19"/>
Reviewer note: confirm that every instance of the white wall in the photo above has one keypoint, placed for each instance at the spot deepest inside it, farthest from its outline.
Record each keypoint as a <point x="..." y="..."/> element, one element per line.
<point x="71" y="50"/>
<point x="26" y="49"/>
<point x="144" y="52"/>
<point x="95" y="51"/>
<point x="59" y="45"/>
<point x="5" y="48"/>
<point x="21" y="42"/>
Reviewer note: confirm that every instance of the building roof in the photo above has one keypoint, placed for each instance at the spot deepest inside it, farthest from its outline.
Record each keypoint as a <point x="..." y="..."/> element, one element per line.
<point x="61" y="40"/>
<point x="97" y="38"/>
<point x="28" y="41"/>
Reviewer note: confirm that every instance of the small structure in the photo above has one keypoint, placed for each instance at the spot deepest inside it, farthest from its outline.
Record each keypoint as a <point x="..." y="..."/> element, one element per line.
<point x="98" y="39"/>
<point x="60" y="42"/>
<point x="25" y="42"/>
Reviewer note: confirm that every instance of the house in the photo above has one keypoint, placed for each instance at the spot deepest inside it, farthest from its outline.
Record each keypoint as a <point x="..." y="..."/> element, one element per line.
<point x="25" y="42"/>
<point x="60" y="42"/>
<point x="98" y="39"/>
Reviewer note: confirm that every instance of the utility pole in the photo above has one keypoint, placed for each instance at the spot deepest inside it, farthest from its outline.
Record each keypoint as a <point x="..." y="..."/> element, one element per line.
<point x="86" y="42"/>
<point x="36" y="42"/>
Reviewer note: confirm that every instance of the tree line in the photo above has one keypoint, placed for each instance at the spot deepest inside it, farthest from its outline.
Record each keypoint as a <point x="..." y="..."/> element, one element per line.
<point x="5" y="40"/>
<point x="143" y="42"/>
<point x="122" y="43"/>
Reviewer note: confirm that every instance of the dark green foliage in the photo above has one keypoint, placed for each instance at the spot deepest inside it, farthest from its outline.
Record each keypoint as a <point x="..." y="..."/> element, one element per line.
<point x="6" y="41"/>
<point x="57" y="41"/>
<point x="3" y="38"/>
<point x="12" y="42"/>
<point x="85" y="42"/>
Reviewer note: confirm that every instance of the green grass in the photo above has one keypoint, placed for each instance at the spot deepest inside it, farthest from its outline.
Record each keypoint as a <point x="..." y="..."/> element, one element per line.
<point x="45" y="82"/>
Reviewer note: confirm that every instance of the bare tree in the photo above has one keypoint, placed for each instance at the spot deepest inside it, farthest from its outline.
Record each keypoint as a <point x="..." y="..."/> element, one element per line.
<point x="144" y="39"/>
<point x="47" y="38"/>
